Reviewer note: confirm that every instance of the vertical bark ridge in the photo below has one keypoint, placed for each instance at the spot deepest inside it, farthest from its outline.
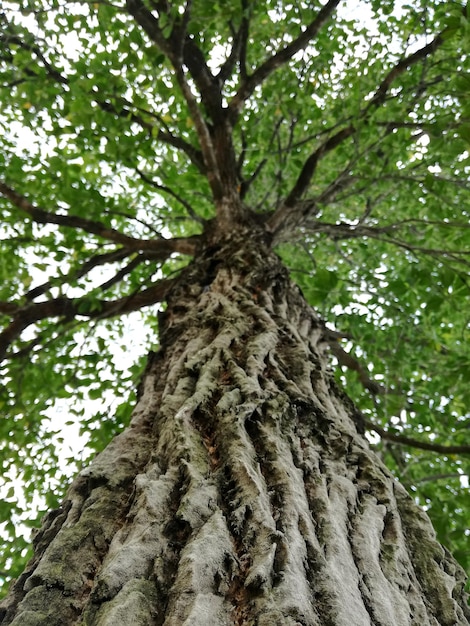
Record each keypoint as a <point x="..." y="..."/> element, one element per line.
<point x="242" y="493"/>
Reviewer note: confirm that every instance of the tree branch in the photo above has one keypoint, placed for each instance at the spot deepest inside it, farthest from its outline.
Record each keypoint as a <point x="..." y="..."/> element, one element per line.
<point x="414" y="443"/>
<point x="165" y="136"/>
<point x="182" y="49"/>
<point x="238" y="50"/>
<point x="308" y="170"/>
<point x="205" y="139"/>
<point x="149" y="23"/>
<point x="125" y="112"/>
<point x="191" y="212"/>
<point x="13" y="38"/>
<point x="286" y="212"/>
<point x="207" y="84"/>
<point x="124" y="271"/>
<point x="171" y="48"/>
<point x="347" y="360"/>
<point x="351" y="231"/>
<point x="68" y="308"/>
<point x="163" y="247"/>
<point x="9" y="308"/>
<point x="246" y="183"/>
<point x="434" y="477"/>
<point x="401" y="67"/>
<point x="280" y="58"/>
<point x="95" y="261"/>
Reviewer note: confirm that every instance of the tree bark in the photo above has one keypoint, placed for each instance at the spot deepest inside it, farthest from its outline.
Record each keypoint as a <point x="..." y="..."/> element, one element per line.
<point x="243" y="491"/>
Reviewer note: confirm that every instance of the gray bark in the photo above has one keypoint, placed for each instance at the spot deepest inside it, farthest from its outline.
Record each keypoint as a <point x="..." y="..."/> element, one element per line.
<point x="243" y="492"/>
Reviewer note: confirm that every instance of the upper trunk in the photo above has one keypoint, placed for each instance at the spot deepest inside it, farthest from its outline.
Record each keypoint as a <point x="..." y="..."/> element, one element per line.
<point x="243" y="491"/>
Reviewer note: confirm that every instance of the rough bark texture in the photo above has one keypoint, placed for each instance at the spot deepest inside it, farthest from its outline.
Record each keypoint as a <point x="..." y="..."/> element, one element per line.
<point x="243" y="491"/>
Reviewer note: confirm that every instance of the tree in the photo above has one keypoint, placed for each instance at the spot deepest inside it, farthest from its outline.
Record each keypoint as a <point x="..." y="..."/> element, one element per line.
<point x="180" y="159"/>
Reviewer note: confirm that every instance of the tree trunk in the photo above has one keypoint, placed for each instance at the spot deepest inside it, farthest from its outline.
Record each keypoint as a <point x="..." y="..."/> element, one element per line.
<point x="243" y="492"/>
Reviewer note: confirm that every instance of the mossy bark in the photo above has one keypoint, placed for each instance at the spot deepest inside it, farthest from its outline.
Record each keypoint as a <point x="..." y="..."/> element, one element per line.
<point x="243" y="492"/>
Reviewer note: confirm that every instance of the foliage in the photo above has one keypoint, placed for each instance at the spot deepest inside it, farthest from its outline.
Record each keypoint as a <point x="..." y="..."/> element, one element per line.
<point x="345" y="127"/>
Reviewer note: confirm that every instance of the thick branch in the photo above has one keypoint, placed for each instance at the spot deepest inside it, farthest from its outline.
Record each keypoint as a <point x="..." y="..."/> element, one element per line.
<point x="9" y="308"/>
<point x="164" y="247"/>
<point x="238" y="50"/>
<point x="208" y="85"/>
<point x="68" y="308"/>
<point x="181" y="49"/>
<point x="175" y="52"/>
<point x="401" y="67"/>
<point x="185" y="51"/>
<point x="280" y="58"/>
<point x="149" y="23"/>
<point x="205" y="139"/>
<point x="291" y="209"/>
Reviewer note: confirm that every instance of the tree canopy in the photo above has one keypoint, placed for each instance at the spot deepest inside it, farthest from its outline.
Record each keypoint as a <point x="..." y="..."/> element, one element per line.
<point x="132" y="129"/>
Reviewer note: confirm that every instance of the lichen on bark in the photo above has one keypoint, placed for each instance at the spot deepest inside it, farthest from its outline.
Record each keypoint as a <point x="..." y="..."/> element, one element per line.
<point x="243" y="492"/>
